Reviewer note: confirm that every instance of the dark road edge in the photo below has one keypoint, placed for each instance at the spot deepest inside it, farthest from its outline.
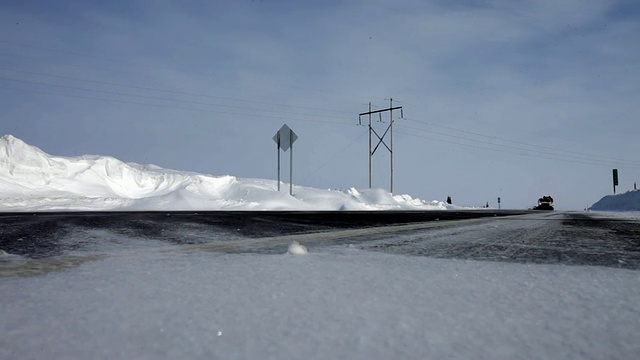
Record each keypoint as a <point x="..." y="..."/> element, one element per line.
<point x="332" y="218"/>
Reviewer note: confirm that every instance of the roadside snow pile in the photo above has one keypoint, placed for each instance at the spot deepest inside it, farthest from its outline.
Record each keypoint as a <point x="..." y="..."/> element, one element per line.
<point x="629" y="201"/>
<point x="32" y="180"/>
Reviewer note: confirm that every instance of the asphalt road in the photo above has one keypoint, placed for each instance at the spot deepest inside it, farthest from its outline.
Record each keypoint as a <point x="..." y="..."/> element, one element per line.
<point x="565" y="238"/>
<point x="38" y="235"/>
<point x="548" y="237"/>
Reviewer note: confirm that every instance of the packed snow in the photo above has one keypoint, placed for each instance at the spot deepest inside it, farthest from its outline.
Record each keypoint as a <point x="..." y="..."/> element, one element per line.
<point x="32" y="180"/>
<point x="628" y="201"/>
<point x="335" y="302"/>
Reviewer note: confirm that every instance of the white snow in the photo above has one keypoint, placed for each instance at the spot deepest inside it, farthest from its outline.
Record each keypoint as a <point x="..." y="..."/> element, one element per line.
<point x="297" y="249"/>
<point x="629" y="201"/>
<point x="32" y="180"/>
<point x="334" y="303"/>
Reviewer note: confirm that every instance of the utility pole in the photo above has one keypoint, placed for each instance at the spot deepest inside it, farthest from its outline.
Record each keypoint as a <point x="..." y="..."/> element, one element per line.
<point x="389" y="130"/>
<point x="369" y="144"/>
<point x="391" y="135"/>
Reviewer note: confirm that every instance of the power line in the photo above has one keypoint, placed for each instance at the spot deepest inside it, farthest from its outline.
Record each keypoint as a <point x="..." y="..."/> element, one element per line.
<point x="104" y="58"/>
<point x="167" y="106"/>
<point x="555" y="157"/>
<point x="318" y="92"/>
<point x="74" y="66"/>
<point x="597" y="162"/>
<point x="334" y="156"/>
<point x="515" y="142"/>
<point x="165" y="90"/>
<point x="584" y="157"/>
<point x="74" y="53"/>
<point x="161" y="98"/>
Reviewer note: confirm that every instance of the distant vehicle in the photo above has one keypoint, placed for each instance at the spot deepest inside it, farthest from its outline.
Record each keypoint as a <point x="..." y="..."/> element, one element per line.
<point x="544" y="203"/>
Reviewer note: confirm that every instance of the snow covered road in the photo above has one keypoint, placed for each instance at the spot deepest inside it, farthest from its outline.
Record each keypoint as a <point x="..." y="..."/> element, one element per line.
<point x="413" y="291"/>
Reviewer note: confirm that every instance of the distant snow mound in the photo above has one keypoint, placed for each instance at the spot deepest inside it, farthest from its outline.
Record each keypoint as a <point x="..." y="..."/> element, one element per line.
<point x="32" y="180"/>
<point x="629" y="201"/>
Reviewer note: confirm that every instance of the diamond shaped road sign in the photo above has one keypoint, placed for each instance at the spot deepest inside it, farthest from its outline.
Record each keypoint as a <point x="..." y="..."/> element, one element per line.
<point x="285" y="137"/>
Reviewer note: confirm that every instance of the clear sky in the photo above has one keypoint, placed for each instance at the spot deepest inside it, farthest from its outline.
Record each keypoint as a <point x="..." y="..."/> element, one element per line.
<point x="510" y="99"/>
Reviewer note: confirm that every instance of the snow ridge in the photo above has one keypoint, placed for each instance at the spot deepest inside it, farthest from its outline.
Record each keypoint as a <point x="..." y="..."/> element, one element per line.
<point x="32" y="180"/>
<point x="629" y="201"/>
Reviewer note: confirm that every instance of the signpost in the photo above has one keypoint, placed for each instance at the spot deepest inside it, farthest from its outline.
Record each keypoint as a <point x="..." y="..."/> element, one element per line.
<point x="615" y="180"/>
<point x="284" y="138"/>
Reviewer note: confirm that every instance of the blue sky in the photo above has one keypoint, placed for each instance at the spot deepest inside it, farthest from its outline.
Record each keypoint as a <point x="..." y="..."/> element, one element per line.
<point x="510" y="99"/>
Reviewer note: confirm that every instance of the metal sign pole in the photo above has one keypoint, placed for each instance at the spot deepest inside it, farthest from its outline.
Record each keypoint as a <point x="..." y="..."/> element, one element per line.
<point x="278" y="143"/>
<point x="285" y="137"/>
<point x="291" y="164"/>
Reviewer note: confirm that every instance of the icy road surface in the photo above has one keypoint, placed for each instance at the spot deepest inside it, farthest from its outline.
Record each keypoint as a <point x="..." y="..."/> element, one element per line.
<point x="548" y="285"/>
<point x="547" y="237"/>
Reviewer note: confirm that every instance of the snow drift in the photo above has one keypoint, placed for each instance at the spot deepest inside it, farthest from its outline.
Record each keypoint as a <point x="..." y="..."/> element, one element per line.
<point x="32" y="180"/>
<point x="629" y="201"/>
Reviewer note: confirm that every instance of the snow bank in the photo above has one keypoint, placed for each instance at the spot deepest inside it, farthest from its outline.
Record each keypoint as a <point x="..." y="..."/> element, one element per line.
<point x="629" y="201"/>
<point x="32" y="180"/>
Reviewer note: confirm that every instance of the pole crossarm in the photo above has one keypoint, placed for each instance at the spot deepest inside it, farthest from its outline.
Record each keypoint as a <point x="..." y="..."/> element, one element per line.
<point x="383" y="110"/>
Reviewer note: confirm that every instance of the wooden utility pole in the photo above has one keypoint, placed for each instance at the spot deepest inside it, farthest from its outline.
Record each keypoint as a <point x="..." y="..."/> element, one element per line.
<point x="391" y="136"/>
<point x="369" y="144"/>
<point x="389" y="130"/>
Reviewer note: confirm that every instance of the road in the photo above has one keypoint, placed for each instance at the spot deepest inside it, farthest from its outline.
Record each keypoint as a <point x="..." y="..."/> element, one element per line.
<point x="568" y="238"/>
<point x="549" y="237"/>
<point x="40" y="235"/>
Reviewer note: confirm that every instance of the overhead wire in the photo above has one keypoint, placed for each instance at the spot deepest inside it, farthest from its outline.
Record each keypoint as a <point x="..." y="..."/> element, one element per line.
<point x="513" y="141"/>
<point x="334" y="156"/>
<point x="162" y="98"/>
<point x="75" y="53"/>
<point x="557" y="154"/>
<point x="583" y="161"/>
<point x="168" y="106"/>
<point x="164" y="90"/>
<point x="73" y="66"/>
<point x="632" y="163"/>
<point x="104" y="58"/>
